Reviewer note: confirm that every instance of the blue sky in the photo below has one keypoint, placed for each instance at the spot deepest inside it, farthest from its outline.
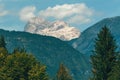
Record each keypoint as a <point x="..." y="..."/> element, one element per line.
<point x="81" y="14"/>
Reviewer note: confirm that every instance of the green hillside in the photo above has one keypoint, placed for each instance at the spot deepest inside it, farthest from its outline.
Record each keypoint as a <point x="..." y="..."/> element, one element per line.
<point x="50" y="51"/>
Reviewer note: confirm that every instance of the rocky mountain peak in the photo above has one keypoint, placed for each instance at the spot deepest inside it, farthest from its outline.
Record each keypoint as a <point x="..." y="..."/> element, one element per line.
<point x="58" y="29"/>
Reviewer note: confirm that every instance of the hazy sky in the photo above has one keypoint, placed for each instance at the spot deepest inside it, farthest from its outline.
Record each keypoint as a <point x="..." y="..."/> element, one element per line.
<point x="14" y="14"/>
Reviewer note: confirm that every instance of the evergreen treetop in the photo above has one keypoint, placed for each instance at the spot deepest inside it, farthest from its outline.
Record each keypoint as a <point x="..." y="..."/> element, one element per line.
<point x="63" y="73"/>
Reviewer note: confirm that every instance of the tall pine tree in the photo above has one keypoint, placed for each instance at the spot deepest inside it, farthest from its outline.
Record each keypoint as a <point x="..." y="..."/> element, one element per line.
<point x="104" y="55"/>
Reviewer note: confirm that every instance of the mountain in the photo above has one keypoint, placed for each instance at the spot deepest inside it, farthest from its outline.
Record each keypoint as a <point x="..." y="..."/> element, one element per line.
<point x="85" y="44"/>
<point x="58" y="29"/>
<point x="50" y="51"/>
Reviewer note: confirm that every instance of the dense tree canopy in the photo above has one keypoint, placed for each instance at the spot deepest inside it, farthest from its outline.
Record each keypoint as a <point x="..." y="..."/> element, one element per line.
<point x="21" y="66"/>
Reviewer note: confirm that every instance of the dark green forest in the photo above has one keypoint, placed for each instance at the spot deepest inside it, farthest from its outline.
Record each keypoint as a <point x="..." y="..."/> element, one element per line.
<point x="21" y="65"/>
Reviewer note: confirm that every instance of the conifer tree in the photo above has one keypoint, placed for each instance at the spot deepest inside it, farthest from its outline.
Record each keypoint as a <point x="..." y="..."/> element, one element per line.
<point x="104" y="55"/>
<point x="2" y="42"/>
<point x="63" y="73"/>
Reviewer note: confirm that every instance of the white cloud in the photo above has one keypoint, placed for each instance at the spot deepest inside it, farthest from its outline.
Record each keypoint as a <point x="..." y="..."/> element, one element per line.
<point x="27" y="13"/>
<point x="73" y="13"/>
<point x="79" y="19"/>
<point x="2" y="11"/>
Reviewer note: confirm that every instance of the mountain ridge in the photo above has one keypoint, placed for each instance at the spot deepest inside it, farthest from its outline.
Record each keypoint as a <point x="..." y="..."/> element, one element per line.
<point x="85" y="43"/>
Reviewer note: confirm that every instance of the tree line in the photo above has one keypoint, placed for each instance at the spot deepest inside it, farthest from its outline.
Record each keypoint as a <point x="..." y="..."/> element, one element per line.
<point x="19" y="65"/>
